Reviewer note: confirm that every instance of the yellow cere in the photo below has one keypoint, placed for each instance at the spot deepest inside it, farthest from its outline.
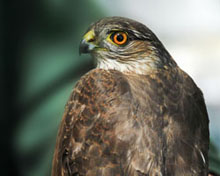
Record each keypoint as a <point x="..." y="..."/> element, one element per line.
<point x="89" y="36"/>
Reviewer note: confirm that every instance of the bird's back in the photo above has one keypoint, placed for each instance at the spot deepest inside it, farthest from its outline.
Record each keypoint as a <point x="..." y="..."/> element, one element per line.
<point x="133" y="125"/>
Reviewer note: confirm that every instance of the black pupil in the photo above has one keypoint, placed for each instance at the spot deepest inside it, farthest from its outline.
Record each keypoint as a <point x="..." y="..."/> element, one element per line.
<point x="120" y="37"/>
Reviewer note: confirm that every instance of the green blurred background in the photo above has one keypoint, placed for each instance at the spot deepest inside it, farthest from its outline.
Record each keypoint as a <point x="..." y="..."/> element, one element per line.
<point x="39" y="66"/>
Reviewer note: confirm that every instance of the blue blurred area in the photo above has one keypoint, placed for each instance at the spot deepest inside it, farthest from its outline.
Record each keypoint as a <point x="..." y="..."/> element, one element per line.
<point x="41" y="65"/>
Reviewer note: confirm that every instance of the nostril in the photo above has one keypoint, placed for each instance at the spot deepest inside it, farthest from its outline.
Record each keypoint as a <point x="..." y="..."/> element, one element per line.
<point x="91" y="40"/>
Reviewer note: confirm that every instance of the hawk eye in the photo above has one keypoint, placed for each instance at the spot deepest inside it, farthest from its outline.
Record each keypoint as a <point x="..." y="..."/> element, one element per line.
<point x="119" y="38"/>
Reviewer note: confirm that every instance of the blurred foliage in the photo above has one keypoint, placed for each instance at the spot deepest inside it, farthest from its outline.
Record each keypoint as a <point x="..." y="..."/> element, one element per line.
<point x="40" y="67"/>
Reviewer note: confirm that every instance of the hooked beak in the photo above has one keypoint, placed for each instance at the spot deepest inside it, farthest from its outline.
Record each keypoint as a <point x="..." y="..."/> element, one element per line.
<point x="87" y="44"/>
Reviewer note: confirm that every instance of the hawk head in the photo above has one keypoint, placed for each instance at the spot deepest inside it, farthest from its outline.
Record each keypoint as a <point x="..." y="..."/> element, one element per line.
<point x="125" y="45"/>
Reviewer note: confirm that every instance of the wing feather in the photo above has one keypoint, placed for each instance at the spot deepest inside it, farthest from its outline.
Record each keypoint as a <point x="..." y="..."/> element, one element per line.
<point x="85" y="139"/>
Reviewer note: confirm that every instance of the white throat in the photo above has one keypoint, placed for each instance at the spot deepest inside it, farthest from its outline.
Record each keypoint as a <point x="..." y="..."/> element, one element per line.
<point x="138" y="67"/>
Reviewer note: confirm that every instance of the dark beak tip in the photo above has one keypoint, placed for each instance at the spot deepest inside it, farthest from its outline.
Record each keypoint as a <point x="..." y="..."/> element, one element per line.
<point x="84" y="47"/>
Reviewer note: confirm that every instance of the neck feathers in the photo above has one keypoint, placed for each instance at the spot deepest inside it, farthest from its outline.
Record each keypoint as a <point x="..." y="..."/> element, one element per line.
<point x="142" y="66"/>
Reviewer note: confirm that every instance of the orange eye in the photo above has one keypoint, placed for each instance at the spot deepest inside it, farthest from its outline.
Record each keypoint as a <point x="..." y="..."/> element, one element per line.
<point x="119" y="38"/>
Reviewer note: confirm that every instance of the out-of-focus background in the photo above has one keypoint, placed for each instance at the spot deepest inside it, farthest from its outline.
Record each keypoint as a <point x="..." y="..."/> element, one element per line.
<point x="40" y="65"/>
